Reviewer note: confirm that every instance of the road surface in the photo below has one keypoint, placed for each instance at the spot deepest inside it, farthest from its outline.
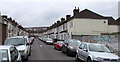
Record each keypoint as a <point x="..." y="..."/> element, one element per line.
<point x="41" y="51"/>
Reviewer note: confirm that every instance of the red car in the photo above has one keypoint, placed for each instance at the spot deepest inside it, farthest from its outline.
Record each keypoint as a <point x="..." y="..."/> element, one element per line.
<point x="58" y="45"/>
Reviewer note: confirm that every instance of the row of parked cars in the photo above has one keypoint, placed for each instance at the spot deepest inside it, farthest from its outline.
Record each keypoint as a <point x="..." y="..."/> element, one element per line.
<point x="83" y="51"/>
<point x="46" y="40"/>
<point x="15" y="49"/>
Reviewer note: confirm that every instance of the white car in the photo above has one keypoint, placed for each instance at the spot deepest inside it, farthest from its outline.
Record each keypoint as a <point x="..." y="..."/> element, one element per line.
<point x="93" y="52"/>
<point x="48" y="41"/>
<point x="9" y="54"/>
<point x="22" y="44"/>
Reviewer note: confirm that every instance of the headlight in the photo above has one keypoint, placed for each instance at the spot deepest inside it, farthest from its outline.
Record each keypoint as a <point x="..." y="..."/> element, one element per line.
<point x="99" y="59"/>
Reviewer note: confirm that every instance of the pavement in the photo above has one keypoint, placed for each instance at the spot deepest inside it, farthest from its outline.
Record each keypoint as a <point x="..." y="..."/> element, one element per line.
<point x="42" y="52"/>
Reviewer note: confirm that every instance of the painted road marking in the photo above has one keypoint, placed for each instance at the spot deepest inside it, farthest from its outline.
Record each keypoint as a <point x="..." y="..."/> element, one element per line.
<point x="40" y="45"/>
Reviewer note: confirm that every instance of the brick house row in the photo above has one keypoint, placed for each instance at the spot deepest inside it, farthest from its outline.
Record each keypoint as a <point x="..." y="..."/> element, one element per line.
<point x="9" y="28"/>
<point x="84" y="22"/>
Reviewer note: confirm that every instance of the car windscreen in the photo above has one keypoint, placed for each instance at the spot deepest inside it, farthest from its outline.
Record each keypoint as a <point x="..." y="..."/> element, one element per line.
<point x="49" y="39"/>
<point x="15" y="41"/>
<point x="60" y="42"/>
<point x="4" y="55"/>
<point x="75" y="43"/>
<point x="98" y="48"/>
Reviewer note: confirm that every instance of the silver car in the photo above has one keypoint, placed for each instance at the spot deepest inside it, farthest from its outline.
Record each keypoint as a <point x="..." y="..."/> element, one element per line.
<point x="69" y="47"/>
<point x="9" y="54"/>
<point x="48" y="41"/>
<point x="93" y="52"/>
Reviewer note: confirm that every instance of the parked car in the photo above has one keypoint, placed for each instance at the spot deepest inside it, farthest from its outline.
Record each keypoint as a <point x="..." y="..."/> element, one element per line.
<point x="22" y="44"/>
<point x="58" y="45"/>
<point x="43" y="39"/>
<point x="9" y="54"/>
<point x="70" y="46"/>
<point x="48" y="41"/>
<point x="93" y="52"/>
<point x="31" y="39"/>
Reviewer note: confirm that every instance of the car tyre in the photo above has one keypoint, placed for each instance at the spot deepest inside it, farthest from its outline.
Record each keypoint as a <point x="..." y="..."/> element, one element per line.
<point x="76" y="58"/>
<point x="54" y="47"/>
<point x="26" y="59"/>
<point x="68" y="53"/>
<point x="89" y="60"/>
<point x="29" y="52"/>
<point x="63" y="51"/>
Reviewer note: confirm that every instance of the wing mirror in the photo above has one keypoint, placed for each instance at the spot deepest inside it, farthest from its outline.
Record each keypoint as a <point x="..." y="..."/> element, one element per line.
<point x="80" y="48"/>
<point x="67" y="44"/>
<point x="111" y="51"/>
<point x="28" y="44"/>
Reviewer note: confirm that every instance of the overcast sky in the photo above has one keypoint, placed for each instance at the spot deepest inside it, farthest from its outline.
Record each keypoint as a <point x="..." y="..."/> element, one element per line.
<point x="40" y="13"/>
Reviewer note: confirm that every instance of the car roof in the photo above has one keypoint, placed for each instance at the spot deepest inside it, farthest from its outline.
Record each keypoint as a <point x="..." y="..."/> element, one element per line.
<point x="92" y="43"/>
<point x="5" y="46"/>
<point x="74" y="39"/>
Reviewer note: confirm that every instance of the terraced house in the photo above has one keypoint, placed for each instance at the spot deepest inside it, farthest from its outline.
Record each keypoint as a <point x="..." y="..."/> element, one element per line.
<point x="84" y="22"/>
<point x="9" y="28"/>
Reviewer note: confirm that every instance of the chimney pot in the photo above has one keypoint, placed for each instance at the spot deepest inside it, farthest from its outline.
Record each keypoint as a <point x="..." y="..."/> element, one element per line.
<point x="4" y="16"/>
<point x="58" y="21"/>
<point x="75" y="11"/>
<point x="62" y="19"/>
<point x="10" y="18"/>
<point x="68" y="16"/>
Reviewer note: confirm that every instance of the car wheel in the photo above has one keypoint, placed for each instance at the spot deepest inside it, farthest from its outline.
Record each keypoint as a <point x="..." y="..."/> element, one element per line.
<point x="89" y="60"/>
<point x="62" y="50"/>
<point x="26" y="59"/>
<point x="29" y="52"/>
<point x="68" y="52"/>
<point x="76" y="58"/>
<point x="54" y="47"/>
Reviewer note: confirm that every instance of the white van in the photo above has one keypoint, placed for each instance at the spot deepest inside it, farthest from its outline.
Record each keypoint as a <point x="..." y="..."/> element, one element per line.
<point x="22" y="44"/>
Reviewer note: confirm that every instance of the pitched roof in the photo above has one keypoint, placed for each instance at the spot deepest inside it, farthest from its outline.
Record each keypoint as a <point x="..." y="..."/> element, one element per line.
<point x="92" y="15"/>
<point x="118" y="19"/>
<point x="88" y="14"/>
<point x="112" y="21"/>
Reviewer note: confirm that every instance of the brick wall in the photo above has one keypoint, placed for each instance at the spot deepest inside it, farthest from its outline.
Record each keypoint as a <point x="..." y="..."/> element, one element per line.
<point x="0" y="33"/>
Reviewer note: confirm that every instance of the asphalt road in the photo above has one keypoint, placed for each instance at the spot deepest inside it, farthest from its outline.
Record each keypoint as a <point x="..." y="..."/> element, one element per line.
<point x="41" y="51"/>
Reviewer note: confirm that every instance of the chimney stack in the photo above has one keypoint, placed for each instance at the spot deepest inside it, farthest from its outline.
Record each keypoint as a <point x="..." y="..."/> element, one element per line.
<point x="58" y="21"/>
<point x="62" y="19"/>
<point x="68" y="16"/>
<point x="75" y="11"/>
<point x="10" y="18"/>
<point x="4" y="16"/>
